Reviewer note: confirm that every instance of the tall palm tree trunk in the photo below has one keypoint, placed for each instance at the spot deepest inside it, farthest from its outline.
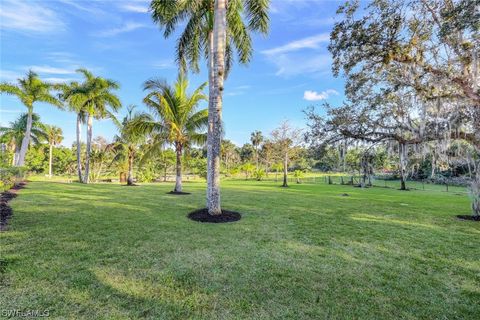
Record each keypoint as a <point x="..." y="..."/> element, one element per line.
<point x="50" y="156"/>
<point x="26" y="139"/>
<point x="79" y="148"/>
<point x="215" y="108"/>
<point x="15" y="154"/>
<point x="130" y="170"/>
<point x="89" y="147"/>
<point x="285" y="171"/>
<point x="178" y="179"/>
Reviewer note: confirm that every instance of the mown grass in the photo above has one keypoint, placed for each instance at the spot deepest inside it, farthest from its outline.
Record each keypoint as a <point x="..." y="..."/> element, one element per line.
<point x="307" y="252"/>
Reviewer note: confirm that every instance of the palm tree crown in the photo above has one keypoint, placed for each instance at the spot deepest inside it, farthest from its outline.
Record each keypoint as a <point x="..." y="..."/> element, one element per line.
<point x="174" y="118"/>
<point x="243" y="16"/>
<point x="31" y="89"/>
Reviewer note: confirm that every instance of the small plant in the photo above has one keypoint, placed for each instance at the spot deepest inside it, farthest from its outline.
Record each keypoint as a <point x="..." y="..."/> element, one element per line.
<point x="259" y="174"/>
<point x="298" y="174"/>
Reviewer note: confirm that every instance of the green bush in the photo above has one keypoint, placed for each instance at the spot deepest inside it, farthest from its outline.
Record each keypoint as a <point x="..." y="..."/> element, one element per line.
<point x="11" y="176"/>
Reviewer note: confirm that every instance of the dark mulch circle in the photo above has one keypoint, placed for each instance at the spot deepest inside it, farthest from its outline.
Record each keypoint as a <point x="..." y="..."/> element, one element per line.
<point x="469" y="217"/>
<point x="180" y="193"/>
<point x="7" y="196"/>
<point x="202" y="215"/>
<point x="5" y="214"/>
<point x="345" y="195"/>
<point x="19" y="186"/>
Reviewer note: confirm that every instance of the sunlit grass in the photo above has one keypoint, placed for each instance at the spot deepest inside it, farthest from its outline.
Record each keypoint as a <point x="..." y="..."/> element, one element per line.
<point x="106" y="251"/>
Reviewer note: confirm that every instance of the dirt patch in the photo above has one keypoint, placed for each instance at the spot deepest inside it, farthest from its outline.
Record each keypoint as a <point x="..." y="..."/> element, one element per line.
<point x="180" y="193"/>
<point x="345" y="195"/>
<point x="202" y="215"/>
<point x="469" y="218"/>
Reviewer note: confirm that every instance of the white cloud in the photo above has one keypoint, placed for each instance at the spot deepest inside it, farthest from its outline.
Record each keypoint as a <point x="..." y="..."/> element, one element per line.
<point x="51" y="70"/>
<point x="127" y="27"/>
<point x="29" y="17"/>
<point x="305" y="43"/>
<point x="292" y="65"/>
<point x="237" y="91"/>
<point x="164" y="64"/>
<point x="292" y="58"/>
<point x="316" y="96"/>
<point x="58" y="80"/>
<point x="9" y="76"/>
<point x="136" y="8"/>
<point x="90" y="7"/>
<point x="10" y="111"/>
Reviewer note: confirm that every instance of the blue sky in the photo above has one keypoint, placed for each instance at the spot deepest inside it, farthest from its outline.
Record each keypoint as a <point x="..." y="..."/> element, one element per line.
<point x="290" y="70"/>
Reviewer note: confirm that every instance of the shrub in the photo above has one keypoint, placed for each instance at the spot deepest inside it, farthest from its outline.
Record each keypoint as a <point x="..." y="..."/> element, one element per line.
<point x="11" y="176"/>
<point x="259" y="174"/>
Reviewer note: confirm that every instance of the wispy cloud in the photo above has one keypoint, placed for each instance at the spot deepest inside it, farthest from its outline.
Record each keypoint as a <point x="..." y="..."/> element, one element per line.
<point x="164" y="64"/>
<point x="133" y="7"/>
<point x="291" y="65"/>
<point x="303" y="56"/>
<point x="58" y="80"/>
<point x="316" y="96"/>
<point x="52" y="70"/>
<point x="31" y="17"/>
<point x="90" y="8"/>
<point x="238" y="90"/>
<point x="8" y="75"/>
<point x="126" y="27"/>
<point x="305" y="43"/>
<point x="10" y="111"/>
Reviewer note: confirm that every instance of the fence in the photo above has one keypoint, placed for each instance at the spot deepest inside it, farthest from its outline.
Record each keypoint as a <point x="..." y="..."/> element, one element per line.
<point x="354" y="180"/>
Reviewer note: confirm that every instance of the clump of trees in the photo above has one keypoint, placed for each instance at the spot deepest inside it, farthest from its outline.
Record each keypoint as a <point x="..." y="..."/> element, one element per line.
<point x="412" y="80"/>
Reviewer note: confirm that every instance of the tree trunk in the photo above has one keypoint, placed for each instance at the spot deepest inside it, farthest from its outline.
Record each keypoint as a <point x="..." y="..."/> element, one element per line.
<point x="215" y="107"/>
<point x="26" y="139"/>
<point x="285" y="171"/>
<point x="178" y="178"/>
<point x="50" y="161"/>
<point x="16" y="152"/>
<point x="130" y="170"/>
<point x="86" y="177"/>
<point x="79" y="148"/>
<point x="475" y="192"/>
<point x="403" y="164"/>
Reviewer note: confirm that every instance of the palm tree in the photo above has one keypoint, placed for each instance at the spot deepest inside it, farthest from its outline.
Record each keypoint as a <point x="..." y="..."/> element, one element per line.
<point x="256" y="138"/>
<point x="15" y="133"/>
<point x="75" y="104"/>
<point x="95" y="99"/>
<point x="213" y="30"/>
<point x="54" y="137"/>
<point x="29" y="90"/>
<point x="174" y="118"/>
<point x="127" y="143"/>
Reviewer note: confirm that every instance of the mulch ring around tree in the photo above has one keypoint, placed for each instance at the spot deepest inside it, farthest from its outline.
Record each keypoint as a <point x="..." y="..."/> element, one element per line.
<point x="5" y="210"/>
<point x="178" y="193"/>
<point x="202" y="215"/>
<point x="469" y="218"/>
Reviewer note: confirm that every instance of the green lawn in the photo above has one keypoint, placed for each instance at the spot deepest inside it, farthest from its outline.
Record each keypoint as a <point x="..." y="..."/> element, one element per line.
<point x="113" y="252"/>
